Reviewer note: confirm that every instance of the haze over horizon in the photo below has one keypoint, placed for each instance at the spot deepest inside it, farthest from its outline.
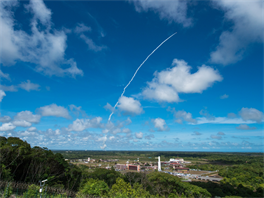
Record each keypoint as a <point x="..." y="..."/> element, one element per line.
<point x="64" y="65"/>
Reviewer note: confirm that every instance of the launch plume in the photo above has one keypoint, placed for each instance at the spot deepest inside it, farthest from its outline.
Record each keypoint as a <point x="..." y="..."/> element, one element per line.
<point x="137" y="71"/>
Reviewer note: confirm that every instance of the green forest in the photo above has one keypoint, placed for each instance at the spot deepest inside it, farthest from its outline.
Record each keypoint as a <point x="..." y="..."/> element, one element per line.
<point x="242" y="173"/>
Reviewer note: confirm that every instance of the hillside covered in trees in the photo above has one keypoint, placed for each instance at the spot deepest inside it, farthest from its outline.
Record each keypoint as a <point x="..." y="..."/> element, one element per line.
<point x="22" y="163"/>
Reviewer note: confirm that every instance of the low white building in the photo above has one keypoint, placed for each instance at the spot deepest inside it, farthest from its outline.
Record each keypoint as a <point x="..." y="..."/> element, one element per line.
<point x="177" y="160"/>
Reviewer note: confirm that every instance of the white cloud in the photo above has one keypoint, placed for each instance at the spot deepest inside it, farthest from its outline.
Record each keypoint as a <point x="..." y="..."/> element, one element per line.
<point x="27" y="133"/>
<point x="115" y="131"/>
<point x="102" y="139"/>
<point x="40" y="11"/>
<point x="28" y="86"/>
<point x="196" y="133"/>
<point x="7" y="126"/>
<point x="50" y="132"/>
<point x="32" y="129"/>
<point x="5" y="119"/>
<point x="220" y="133"/>
<point x="82" y="124"/>
<point x="129" y="105"/>
<point x="245" y="127"/>
<point x="44" y="47"/>
<point x="216" y="137"/>
<point x="149" y="137"/>
<point x="103" y="147"/>
<point x="77" y="110"/>
<point x="80" y="28"/>
<point x="175" y="11"/>
<point x="160" y="92"/>
<point x="91" y="44"/>
<point x="27" y="116"/>
<point x="139" y="135"/>
<point x="109" y="107"/>
<point x="223" y="120"/>
<point x="185" y="116"/>
<point x="251" y="114"/>
<point x="233" y="43"/>
<point x="54" y="110"/>
<point x="224" y="96"/>
<point x="166" y="84"/>
<point x="126" y="130"/>
<point x="111" y="137"/>
<point x="3" y="75"/>
<point x="21" y="123"/>
<point x="11" y="88"/>
<point x="160" y="124"/>
<point x="2" y="95"/>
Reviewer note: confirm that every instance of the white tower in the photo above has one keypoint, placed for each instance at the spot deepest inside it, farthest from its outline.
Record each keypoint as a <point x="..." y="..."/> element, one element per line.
<point x="159" y="164"/>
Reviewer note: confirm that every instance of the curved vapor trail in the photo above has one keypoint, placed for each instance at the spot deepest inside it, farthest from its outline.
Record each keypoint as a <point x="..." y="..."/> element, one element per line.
<point x="137" y="71"/>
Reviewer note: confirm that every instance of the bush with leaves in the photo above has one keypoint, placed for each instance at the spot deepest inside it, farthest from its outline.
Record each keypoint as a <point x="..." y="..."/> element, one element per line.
<point x="124" y="190"/>
<point x="33" y="191"/>
<point x="94" y="187"/>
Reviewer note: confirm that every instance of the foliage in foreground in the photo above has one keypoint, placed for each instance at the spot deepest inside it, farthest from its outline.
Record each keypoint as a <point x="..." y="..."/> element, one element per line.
<point x="20" y="162"/>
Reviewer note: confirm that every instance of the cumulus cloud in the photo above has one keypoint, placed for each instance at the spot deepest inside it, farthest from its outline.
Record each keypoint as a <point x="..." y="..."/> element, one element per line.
<point x="183" y="115"/>
<point x="173" y="11"/>
<point x="28" y="86"/>
<point x="2" y="95"/>
<point x="53" y="132"/>
<point x="223" y="120"/>
<point x="80" y="28"/>
<point x="245" y="127"/>
<point x="109" y="107"/>
<point x="216" y="137"/>
<point x="82" y="124"/>
<point x="102" y="139"/>
<point x="11" y="88"/>
<point x="139" y="135"/>
<point x="27" y="133"/>
<point x="5" y="119"/>
<point x="77" y="110"/>
<point x="196" y="133"/>
<point x="111" y="137"/>
<point x="110" y="127"/>
<point x="166" y="84"/>
<point x="160" y="124"/>
<point x="160" y="92"/>
<point x="233" y="43"/>
<point x="220" y="133"/>
<point x="32" y="129"/>
<point x="224" y="96"/>
<point x="251" y="114"/>
<point x="205" y="113"/>
<point x="43" y="46"/>
<point x="27" y="116"/>
<point x="92" y="45"/>
<point x="7" y="126"/>
<point x="103" y="146"/>
<point x="129" y="105"/>
<point x="54" y="110"/>
<point x="149" y="137"/>
<point x="3" y="75"/>
<point x="126" y="130"/>
<point x="21" y="123"/>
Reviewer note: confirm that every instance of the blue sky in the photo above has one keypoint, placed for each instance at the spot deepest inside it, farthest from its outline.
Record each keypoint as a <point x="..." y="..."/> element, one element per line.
<point x="64" y="65"/>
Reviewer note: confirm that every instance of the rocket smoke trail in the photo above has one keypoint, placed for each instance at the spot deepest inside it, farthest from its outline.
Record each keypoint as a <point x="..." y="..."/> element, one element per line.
<point x="137" y="71"/>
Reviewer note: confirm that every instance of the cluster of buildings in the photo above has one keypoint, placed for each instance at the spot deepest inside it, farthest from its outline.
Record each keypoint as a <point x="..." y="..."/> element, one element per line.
<point x="176" y="164"/>
<point x="89" y="160"/>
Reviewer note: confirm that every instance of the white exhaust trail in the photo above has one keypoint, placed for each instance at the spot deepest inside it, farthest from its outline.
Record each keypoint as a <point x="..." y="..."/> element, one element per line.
<point x="137" y="71"/>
